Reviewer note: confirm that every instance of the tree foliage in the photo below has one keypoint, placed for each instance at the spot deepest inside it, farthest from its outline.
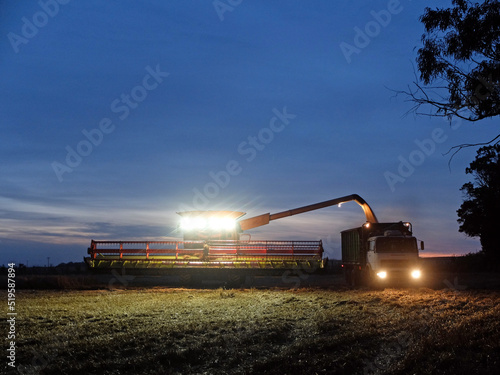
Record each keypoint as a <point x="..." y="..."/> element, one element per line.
<point x="479" y="214"/>
<point x="459" y="62"/>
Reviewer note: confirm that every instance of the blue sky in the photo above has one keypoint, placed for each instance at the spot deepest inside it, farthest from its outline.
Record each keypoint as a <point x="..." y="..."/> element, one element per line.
<point x="115" y="115"/>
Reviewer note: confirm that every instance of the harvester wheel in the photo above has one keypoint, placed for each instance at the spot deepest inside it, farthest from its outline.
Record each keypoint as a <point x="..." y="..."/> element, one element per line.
<point x="235" y="280"/>
<point x="185" y="279"/>
<point x="189" y="279"/>
<point x="249" y="281"/>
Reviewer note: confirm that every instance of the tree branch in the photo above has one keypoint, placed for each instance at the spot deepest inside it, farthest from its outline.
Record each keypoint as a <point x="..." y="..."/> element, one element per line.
<point x="467" y="145"/>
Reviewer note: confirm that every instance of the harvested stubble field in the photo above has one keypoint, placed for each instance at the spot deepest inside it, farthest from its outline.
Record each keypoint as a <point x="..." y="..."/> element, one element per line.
<point x="250" y="331"/>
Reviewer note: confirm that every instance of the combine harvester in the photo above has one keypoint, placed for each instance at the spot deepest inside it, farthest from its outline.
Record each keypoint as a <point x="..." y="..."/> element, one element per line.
<point x="215" y="247"/>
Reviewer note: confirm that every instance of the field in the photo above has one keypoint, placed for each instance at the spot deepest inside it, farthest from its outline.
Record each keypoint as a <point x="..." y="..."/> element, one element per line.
<point x="312" y="330"/>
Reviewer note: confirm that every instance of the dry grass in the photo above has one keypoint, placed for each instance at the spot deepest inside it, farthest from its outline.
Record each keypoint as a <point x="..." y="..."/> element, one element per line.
<point x="303" y="331"/>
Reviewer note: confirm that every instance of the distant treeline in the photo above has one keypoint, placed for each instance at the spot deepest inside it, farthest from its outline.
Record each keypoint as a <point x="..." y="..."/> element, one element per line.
<point x="467" y="263"/>
<point x="476" y="262"/>
<point x="70" y="268"/>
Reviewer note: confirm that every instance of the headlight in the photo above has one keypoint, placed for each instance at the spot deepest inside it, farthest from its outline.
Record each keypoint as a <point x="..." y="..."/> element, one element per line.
<point x="416" y="274"/>
<point x="382" y="274"/>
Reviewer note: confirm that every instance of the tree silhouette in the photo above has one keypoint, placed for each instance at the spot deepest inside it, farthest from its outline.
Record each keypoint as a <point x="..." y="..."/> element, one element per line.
<point x="479" y="214"/>
<point x="459" y="63"/>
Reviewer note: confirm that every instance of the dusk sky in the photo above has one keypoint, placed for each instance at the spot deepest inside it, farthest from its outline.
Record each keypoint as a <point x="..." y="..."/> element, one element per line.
<point x="115" y="115"/>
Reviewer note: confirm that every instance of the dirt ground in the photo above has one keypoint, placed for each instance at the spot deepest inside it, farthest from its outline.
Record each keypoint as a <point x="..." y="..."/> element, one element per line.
<point x="318" y="326"/>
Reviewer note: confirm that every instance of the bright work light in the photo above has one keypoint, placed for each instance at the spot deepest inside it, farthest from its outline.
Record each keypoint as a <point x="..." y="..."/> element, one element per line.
<point x="221" y="223"/>
<point x="200" y="223"/>
<point x="213" y="223"/>
<point x="186" y="224"/>
<point x="416" y="274"/>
